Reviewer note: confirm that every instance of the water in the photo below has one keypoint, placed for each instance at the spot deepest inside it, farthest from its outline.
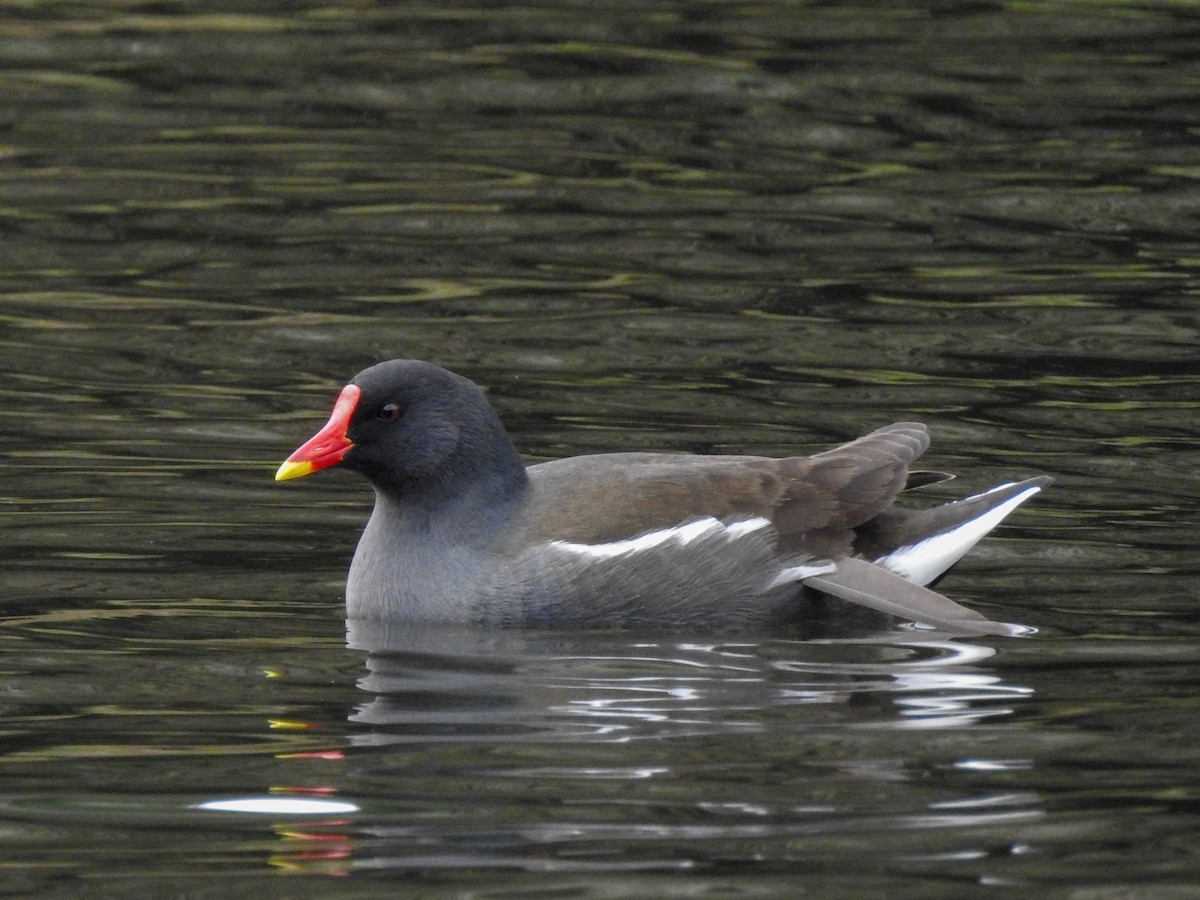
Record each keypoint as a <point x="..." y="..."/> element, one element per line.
<point x="755" y="228"/>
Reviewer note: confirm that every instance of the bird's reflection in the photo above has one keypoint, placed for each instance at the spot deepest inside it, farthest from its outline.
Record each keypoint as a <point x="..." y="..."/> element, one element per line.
<point x="665" y="743"/>
<point x="450" y="683"/>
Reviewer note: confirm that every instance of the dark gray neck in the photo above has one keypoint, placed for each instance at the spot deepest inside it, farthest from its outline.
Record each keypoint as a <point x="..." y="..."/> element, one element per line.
<point x="467" y="486"/>
<point x="429" y="556"/>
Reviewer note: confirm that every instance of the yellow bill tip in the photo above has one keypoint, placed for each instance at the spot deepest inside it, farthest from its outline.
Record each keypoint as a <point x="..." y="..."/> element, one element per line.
<point x="294" y="470"/>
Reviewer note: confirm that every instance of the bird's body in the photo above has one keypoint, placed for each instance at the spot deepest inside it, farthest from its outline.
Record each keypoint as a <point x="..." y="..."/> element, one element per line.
<point x="462" y="531"/>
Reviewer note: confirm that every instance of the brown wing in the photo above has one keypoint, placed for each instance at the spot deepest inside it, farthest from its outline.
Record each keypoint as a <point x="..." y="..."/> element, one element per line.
<point x="814" y="502"/>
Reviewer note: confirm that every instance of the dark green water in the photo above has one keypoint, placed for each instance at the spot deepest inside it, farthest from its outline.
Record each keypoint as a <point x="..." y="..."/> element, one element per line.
<point x="762" y="227"/>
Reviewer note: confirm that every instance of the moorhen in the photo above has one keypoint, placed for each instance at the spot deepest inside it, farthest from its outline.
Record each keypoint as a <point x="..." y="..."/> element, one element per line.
<point x="464" y="532"/>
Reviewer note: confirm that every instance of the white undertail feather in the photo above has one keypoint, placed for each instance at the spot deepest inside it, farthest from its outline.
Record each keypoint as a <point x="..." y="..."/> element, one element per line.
<point x="924" y="561"/>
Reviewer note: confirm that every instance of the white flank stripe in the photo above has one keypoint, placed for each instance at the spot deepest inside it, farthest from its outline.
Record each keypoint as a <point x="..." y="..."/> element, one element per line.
<point x="922" y="562"/>
<point x="735" y="530"/>
<point x="680" y="534"/>
<point x="798" y="573"/>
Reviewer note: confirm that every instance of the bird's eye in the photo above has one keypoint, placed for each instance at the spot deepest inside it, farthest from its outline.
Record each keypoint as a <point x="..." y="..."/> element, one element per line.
<point x="389" y="412"/>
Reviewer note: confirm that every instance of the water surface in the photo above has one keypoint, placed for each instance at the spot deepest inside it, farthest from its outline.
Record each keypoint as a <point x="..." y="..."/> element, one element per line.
<point x="758" y="228"/>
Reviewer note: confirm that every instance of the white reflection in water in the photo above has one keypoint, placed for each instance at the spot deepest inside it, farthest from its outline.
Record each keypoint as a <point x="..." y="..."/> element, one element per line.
<point x="286" y="806"/>
<point x="994" y="765"/>
<point x="453" y="685"/>
<point x="934" y="690"/>
<point x="942" y="700"/>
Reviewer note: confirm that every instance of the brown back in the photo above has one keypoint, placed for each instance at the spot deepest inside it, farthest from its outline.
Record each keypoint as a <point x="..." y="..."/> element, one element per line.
<point x="814" y="501"/>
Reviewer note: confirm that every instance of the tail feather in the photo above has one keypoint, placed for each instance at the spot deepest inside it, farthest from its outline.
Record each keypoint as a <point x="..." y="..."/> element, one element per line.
<point x="867" y="584"/>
